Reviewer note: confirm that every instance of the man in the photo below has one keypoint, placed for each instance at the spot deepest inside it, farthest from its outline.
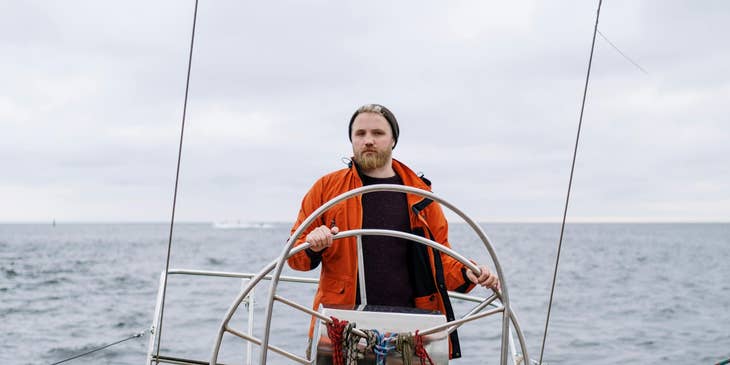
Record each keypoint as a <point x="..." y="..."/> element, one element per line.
<point x="397" y="272"/>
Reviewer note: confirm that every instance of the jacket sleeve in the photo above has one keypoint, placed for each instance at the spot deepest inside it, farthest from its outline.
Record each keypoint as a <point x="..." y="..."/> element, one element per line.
<point x="307" y="259"/>
<point x="454" y="272"/>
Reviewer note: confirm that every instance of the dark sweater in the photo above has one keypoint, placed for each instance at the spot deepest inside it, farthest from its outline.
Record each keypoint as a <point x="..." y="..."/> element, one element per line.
<point x="387" y="275"/>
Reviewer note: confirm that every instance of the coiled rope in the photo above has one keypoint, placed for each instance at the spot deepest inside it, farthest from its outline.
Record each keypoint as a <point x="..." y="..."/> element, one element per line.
<point x="421" y="351"/>
<point x="336" y="333"/>
<point x="383" y="346"/>
<point x="349" y="344"/>
<point x="570" y="181"/>
<point x="352" y="351"/>
<point x="345" y="349"/>
<point x="404" y="345"/>
<point x="136" y="335"/>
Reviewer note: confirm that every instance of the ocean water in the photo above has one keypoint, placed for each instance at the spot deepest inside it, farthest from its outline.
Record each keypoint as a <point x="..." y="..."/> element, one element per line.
<point x="626" y="293"/>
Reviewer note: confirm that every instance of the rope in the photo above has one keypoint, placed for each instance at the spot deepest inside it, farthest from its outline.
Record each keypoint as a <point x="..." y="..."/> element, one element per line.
<point x="622" y="54"/>
<point x="383" y="346"/>
<point x="136" y="335"/>
<point x="421" y="352"/>
<point x="404" y="345"/>
<point x="177" y="179"/>
<point x="345" y="342"/>
<point x="336" y="332"/>
<point x="570" y="181"/>
<point x="351" y="341"/>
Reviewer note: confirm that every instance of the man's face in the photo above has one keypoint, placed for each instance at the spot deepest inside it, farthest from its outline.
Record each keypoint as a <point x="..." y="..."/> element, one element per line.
<point x="372" y="141"/>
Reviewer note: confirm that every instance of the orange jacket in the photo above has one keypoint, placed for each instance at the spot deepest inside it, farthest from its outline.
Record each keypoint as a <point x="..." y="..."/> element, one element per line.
<point x="434" y="273"/>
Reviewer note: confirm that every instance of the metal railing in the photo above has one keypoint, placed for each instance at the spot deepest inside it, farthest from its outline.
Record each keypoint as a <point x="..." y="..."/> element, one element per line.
<point x="249" y="301"/>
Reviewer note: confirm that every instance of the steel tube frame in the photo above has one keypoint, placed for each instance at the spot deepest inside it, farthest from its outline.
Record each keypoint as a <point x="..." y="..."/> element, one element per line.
<point x="232" y="309"/>
<point x="458" y="322"/>
<point x="455" y="295"/>
<point x="278" y="350"/>
<point x="227" y="274"/>
<point x="476" y="309"/>
<point x="255" y="279"/>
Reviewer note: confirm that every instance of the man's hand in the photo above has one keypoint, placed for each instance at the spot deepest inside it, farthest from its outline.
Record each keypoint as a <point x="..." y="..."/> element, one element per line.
<point x="321" y="237"/>
<point x="485" y="279"/>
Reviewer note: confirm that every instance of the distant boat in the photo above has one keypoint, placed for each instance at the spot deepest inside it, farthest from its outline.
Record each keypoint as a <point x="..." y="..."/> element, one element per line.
<point x="240" y="225"/>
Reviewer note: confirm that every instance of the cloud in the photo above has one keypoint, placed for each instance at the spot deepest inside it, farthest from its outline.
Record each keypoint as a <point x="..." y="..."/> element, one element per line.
<point x="487" y="96"/>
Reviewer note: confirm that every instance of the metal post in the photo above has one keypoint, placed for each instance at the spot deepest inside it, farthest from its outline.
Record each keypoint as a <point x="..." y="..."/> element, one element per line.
<point x="249" y="344"/>
<point x="156" y="320"/>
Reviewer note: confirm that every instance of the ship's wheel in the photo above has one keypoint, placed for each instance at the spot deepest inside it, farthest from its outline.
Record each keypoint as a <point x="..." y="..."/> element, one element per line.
<point x="498" y="302"/>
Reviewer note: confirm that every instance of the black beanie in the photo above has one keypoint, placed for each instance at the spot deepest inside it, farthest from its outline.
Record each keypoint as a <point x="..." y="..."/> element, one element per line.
<point x="385" y="112"/>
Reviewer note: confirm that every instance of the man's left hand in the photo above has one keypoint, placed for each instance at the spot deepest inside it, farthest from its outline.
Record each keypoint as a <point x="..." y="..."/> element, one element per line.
<point x="486" y="279"/>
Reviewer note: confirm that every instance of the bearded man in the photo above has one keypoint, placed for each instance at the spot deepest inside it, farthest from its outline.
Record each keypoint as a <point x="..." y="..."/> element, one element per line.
<point x="397" y="272"/>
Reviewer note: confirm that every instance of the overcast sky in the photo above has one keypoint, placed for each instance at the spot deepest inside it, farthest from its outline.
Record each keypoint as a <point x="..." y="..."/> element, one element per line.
<point x="487" y="95"/>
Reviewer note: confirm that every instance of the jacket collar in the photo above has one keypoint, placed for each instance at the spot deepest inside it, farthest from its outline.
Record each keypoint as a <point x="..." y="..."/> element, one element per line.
<point x="409" y="178"/>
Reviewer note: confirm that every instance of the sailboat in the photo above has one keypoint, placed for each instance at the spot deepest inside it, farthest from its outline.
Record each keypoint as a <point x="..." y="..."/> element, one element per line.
<point x="357" y="335"/>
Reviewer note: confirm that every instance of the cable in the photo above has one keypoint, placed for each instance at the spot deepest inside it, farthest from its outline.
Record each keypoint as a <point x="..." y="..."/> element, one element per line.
<point x="140" y="334"/>
<point x="177" y="179"/>
<point x="623" y="54"/>
<point x="570" y="181"/>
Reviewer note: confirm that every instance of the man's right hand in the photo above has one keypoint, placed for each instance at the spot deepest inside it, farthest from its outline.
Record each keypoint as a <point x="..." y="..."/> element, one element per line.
<point x="321" y="237"/>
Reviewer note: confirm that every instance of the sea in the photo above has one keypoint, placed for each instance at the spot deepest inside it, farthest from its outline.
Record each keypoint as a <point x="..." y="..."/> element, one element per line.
<point x="625" y="293"/>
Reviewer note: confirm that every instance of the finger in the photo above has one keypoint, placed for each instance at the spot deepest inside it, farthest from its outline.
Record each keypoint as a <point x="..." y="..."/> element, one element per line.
<point x="485" y="271"/>
<point x="486" y="282"/>
<point x="327" y="238"/>
<point x="495" y="283"/>
<point x="313" y="237"/>
<point x="472" y="277"/>
<point x="321" y="231"/>
<point x="316" y="239"/>
<point x="314" y="244"/>
<point x="481" y="275"/>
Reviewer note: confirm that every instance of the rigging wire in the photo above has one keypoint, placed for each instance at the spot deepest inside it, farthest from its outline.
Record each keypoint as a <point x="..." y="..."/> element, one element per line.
<point x="177" y="179"/>
<point x="622" y="54"/>
<point x="570" y="181"/>
<point x="136" y="335"/>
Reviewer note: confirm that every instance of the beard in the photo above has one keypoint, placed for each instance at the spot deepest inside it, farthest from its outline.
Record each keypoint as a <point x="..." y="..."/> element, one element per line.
<point x="371" y="161"/>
